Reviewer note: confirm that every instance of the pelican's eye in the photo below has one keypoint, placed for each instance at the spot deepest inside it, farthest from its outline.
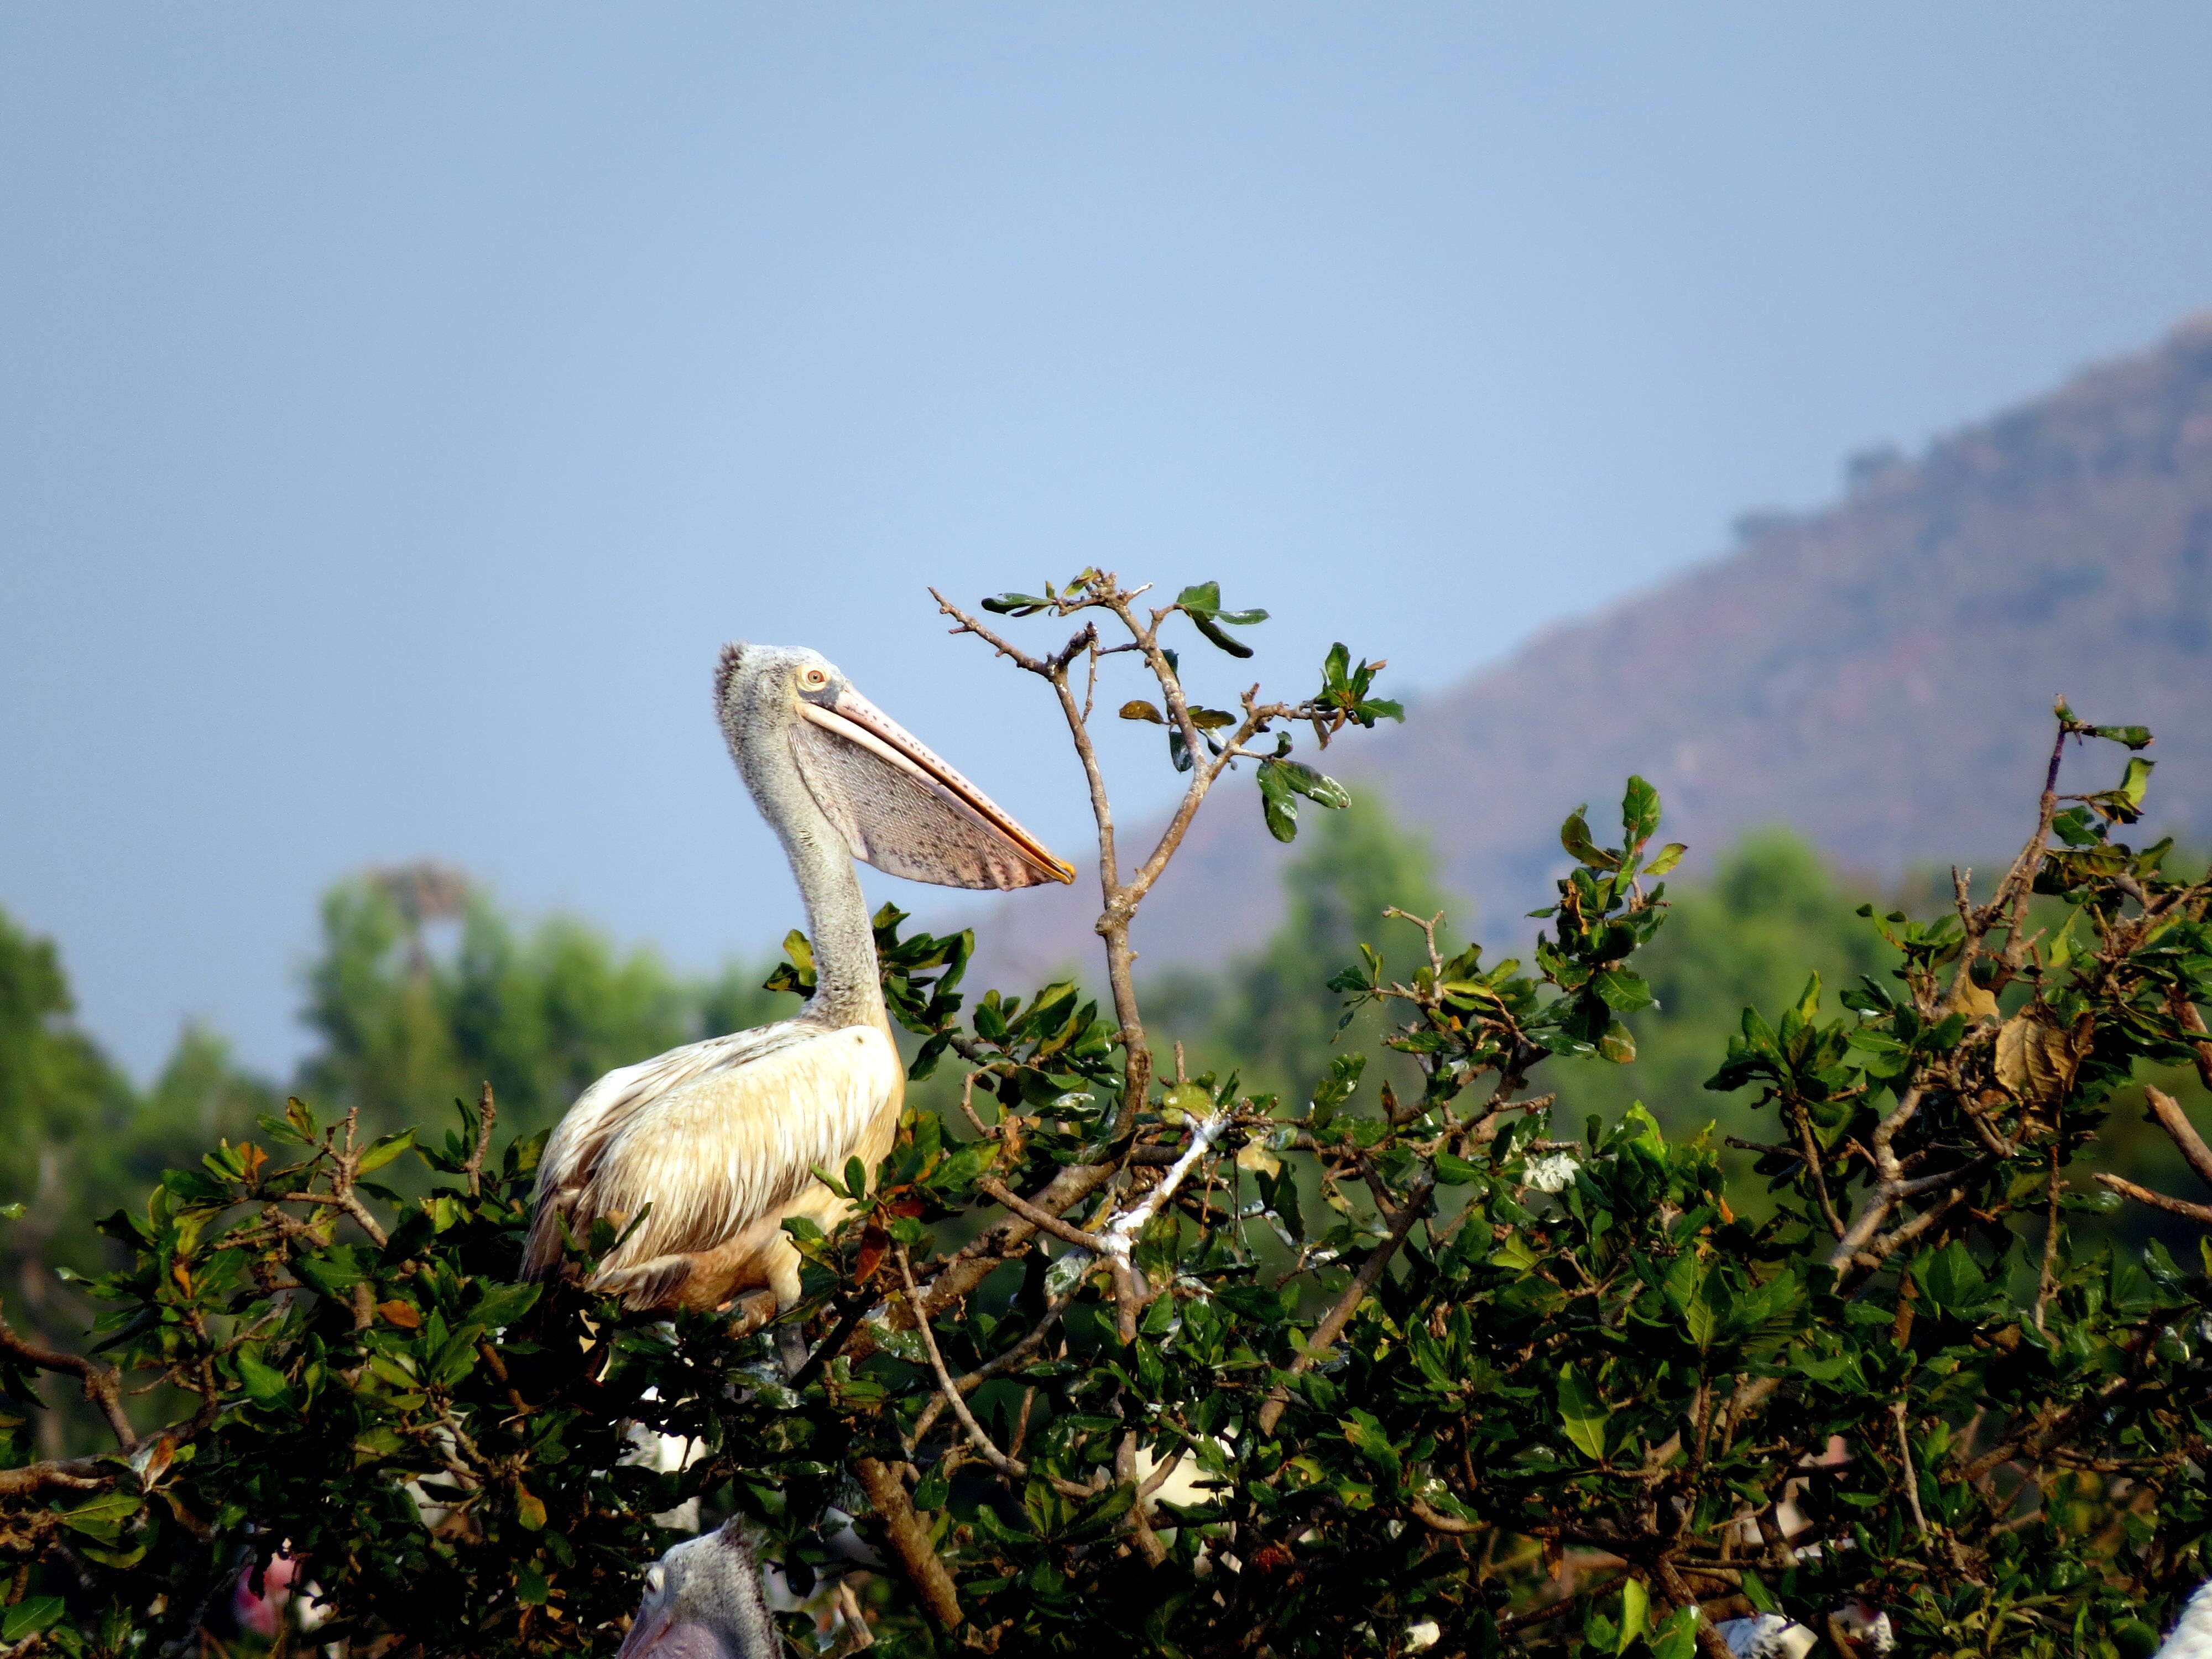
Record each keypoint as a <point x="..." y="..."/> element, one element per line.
<point x="812" y="679"/>
<point x="655" y="1577"/>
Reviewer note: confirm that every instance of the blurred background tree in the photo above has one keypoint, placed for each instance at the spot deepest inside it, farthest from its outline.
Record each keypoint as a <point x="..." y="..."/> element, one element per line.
<point x="426" y="989"/>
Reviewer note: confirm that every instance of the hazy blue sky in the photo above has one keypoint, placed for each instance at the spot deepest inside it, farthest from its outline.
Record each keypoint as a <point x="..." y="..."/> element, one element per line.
<point x="399" y="404"/>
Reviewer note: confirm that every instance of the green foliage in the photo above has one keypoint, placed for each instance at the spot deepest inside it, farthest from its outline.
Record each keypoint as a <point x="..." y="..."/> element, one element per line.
<point x="1270" y="1016"/>
<point x="1771" y="914"/>
<point x="1163" y="1365"/>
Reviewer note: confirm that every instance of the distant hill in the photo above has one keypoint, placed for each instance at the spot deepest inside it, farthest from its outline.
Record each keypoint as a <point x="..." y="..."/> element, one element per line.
<point x="1878" y="675"/>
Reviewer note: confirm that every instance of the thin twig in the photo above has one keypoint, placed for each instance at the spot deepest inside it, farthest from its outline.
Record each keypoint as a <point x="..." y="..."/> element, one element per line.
<point x="2200" y="1213"/>
<point x="1043" y="1220"/>
<point x="1371" y="1271"/>
<point x="2172" y="1119"/>
<point x="486" y="1112"/>
<point x="2046" y="1282"/>
<point x="102" y="1384"/>
<point x="1012" y="1467"/>
<point x="1911" y="1470"/>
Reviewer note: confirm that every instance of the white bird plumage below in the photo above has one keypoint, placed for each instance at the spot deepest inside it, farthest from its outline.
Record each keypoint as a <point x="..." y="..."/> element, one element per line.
<point x="1857" y="1628"/>
<point x="2192" y="1631"/>
<point x="721" y="1138"/>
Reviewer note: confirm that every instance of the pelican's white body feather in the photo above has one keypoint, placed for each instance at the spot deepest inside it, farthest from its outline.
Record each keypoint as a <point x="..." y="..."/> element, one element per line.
<point x="2192" y="1632"/>
<point x="721" y="1139"/>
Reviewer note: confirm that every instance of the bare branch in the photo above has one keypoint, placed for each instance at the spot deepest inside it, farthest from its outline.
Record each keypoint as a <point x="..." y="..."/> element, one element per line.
<point x="1043" y="1220"/>
<point x="2181" y="1131"/>
<point x="102" y="1384"/>
<point x="2200" y="1213"/>
<point x="910" y="1539"/>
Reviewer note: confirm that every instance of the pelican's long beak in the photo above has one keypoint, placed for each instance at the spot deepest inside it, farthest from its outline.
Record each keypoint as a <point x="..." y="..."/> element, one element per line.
<point x="857" y="721"/>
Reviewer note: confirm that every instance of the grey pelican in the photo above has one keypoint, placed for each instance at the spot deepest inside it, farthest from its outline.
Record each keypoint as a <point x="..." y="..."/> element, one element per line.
<point x="702" y="1600"/>
<point x="1856" y="1628"/>
<point x="721" y="1138"/>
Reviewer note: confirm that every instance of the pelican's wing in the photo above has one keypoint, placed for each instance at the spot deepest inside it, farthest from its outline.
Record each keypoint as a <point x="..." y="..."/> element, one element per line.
<point x="713" y="1136"/>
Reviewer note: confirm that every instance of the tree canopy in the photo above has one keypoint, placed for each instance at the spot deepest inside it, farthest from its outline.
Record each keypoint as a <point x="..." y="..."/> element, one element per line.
<point x="1382" y="1349"/>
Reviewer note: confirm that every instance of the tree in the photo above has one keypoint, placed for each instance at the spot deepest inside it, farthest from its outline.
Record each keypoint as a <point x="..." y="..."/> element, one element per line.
<point x="1087" y="1370"/>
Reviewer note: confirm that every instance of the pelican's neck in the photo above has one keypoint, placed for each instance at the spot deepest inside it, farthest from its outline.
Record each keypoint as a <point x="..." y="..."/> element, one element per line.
<point x="847" y="990"/>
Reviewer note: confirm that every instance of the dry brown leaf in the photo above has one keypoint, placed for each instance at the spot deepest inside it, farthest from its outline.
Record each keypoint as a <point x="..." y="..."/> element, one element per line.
<point x="2036" y="1062"/>
<point x="1974" y="1001"/>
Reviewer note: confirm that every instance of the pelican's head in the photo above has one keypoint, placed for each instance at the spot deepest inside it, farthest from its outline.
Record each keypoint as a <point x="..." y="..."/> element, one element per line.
<point x="897" y="806"/>
<point x="702" y="1600"/>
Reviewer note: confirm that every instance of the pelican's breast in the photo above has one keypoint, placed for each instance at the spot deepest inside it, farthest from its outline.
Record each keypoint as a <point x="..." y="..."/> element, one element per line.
<point x="715" y="1136"/>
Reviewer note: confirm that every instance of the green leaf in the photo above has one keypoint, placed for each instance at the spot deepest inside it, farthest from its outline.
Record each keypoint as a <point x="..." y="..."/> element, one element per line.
<point x="1372" y="1441"/>
<point x="501" y="1305"/>
<point x="963" y="1165"/>
<point x="1515" y="1255"/>
<point x="1639" y="811"/>
<point x="1214" y="636"/>
<point x="1621" y="990"/>
<point x="1015" y="605"/>
<point x="2136" y="780"/>
<point x="28" y="1618"/>
<point x="263" y="1385"/>
<point x="1338" y="1086"/>
<point x="1678" y="1638"/>
<point x="2134" y="737"/>
<point x="1582" y="1414"/>
<point x="1951" y="1278"/>
<point x="101" y="1517"/>
<point x="1277" y="805"/>
<point x="1200" y="596"/>
<point x="1316" y="787"/>
<point x="1666" y="858"/>
<point x="1808" y="999"/>
<point x="1574" y="836"/>
<point x="1635" y="1604"/>
<point x="381" y="1153"/>
<point x="529" y="1508"/>
<point x="1185" y="1099"/>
